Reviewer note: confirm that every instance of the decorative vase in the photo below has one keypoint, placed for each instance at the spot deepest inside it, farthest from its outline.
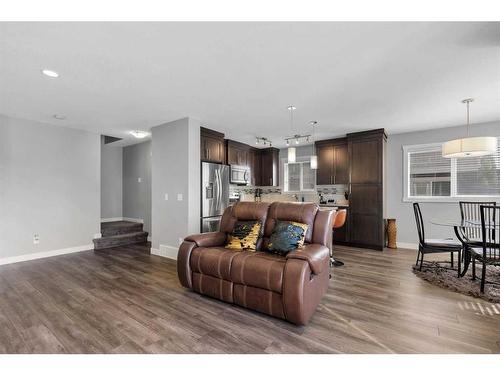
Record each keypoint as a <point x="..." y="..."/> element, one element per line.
<point x="392" y="231"/>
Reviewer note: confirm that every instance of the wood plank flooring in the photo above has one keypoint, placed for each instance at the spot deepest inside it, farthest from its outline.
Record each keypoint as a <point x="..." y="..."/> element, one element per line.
<point x="124" y="300"/>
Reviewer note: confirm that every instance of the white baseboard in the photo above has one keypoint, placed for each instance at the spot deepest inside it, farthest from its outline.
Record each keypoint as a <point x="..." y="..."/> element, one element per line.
<point x="122" y="218"/>
<point x="407" y="245"/>
<point x="45" y="254"/>
<point x="149" y="238"/>
<point x="166" y="251"/>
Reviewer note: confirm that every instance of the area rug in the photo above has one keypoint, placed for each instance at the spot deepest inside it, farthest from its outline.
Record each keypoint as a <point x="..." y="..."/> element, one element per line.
<point x="436" y="273"/>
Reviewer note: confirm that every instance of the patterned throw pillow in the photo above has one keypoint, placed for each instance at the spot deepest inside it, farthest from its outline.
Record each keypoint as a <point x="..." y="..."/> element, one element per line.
<point x="244" y="236"/>
<point x="287" y="236"/>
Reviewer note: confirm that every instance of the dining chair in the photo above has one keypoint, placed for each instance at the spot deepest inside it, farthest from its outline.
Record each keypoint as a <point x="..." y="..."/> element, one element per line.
<point x="489" y="253"/>
<point x="338" y="222"/>
<point x="471" y="211"/>
<point x="433" y="246"/>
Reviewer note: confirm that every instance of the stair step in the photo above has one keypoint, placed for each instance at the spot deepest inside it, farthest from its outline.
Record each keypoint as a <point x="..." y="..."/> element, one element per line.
<point x="114" y="228"/>
<point x="120" y="240"/>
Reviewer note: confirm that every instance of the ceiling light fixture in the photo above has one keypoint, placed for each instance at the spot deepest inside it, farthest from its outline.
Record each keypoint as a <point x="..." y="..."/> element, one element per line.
<point x="469" y="146"/>
<point x="59" y="117"/>
<point x="314" y="157"/>
<point x="139" y="134"/>
<point x="50" y="73"/>
<point x="265" y="141"/>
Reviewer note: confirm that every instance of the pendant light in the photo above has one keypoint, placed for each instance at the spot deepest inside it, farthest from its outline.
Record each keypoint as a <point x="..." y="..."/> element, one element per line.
<point x="314" y="157"/>
<point x="291" y="150"/>
<point x="469" y="146"/>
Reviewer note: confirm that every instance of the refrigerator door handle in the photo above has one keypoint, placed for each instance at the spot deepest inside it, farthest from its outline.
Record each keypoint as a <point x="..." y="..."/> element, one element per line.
<point x="217" y="183"/>
<point x="220" y="190"/>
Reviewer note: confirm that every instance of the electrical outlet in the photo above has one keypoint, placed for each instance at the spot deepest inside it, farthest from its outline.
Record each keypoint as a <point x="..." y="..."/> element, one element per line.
<point x="36" y="239"/>
<point x="181" y="240"/>
<point x="179" y="197"/>
<point x="139" y="179"/>
<point x="166" y="196"/>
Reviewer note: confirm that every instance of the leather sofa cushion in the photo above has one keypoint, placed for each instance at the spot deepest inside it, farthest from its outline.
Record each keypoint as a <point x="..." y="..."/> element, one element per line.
<point x="213" y="287"/>
<point x="290" y="211"/>
<point x="213" y="261"/>
<point x="261" y="270"/>
<point x="244" y="211"/>
<point x="265" y="301"/>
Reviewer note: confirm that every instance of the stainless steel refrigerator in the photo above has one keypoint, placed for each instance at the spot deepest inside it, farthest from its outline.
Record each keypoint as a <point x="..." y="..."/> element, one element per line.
<point x="214" y="195"/>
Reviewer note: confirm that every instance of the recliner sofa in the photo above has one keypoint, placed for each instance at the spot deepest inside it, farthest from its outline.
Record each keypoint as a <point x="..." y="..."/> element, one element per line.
<point x="288" y="287"/>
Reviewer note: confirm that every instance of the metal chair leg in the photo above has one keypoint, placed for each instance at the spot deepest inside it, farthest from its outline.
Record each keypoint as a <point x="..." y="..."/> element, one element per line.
<point x="418" y="256"/>
<point x="483" y="277"/>
<point x="459" y="265"/>
<point x="421" y="262"/>
<point x="473" y="268"/>
<point x="451" y="259"/>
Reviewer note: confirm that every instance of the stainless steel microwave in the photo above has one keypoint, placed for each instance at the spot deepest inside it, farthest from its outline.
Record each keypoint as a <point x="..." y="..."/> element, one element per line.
<point x="239" y="175"/>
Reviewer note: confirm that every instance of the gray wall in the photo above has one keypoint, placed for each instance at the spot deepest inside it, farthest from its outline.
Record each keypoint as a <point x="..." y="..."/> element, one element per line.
<point x="175" y="170"/>
<point x="49" y="185"/>
<point x="137" y="195"/>
<point x="111" y="180"/>
<point x="403" y="211"/>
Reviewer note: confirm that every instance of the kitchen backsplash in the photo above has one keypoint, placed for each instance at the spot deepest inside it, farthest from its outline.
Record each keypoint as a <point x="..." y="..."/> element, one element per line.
<point x="329" y="192"/>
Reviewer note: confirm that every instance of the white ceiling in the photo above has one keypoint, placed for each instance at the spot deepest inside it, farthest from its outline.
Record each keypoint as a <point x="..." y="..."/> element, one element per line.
<point x="239" y="78"/>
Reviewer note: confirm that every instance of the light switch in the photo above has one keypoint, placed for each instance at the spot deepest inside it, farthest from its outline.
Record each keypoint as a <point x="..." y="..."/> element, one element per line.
<point x="166" y="196"/>
<point x="139" y="179"/>
<point x="179" y="197"/>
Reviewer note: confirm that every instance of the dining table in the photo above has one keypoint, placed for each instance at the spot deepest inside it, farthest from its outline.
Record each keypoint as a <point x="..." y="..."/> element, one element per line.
<point x="461" y="228"/>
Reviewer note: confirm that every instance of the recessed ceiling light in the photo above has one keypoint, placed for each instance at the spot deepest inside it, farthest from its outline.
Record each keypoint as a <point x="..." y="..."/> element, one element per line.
<point x="139" y="134"/>
<point x="50" y="73"/>
<point x="60" y="117"/>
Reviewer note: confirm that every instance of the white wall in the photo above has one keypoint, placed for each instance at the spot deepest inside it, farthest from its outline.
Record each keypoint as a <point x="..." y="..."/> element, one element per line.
<point x="403" y="211"/>
<point x="49" y="185"/>
<point x="137" y="195"/>
<point x="175" y="170"/>
<point x="111" y="180"/>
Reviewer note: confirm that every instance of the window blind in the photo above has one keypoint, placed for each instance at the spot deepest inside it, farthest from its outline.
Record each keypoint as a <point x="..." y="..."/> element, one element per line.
<point x="429" y="174"/>
<point x="478" y="176"/>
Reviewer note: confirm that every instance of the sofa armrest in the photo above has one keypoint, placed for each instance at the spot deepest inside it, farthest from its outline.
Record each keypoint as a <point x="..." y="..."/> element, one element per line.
<point x="209" y="239"/>
<point x="316" y="255"/>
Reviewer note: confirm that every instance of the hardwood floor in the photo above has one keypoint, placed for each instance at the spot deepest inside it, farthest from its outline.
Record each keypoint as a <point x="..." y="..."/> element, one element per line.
<point x="124" y="300"/>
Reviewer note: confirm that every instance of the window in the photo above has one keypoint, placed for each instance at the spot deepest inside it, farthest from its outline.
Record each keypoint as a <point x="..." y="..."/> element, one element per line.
<point x="430" y="176"/>
<point x="299" y="177"/>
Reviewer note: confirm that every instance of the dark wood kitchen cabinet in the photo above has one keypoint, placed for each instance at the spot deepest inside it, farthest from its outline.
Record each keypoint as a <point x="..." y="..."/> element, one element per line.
<point x="366" y="189"/>
<point x="255" y="159"/>
<point x="238" y="153"/>
<point x="324" y="173"/>
<point x="212" y="148"/>
<point x="333" y="162"/>
<point x="269" y="166"/>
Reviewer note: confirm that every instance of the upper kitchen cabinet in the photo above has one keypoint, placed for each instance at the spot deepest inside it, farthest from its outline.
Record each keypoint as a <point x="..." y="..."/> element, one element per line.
<point x="270" y="162"/>
<point x="324" y="173"/>
<point x="255" y="159"/>
<point x="237" y="153"/>
<point x="366" y="158"/>
<point x="212" y="146"/>
<point x="341" y="164"/>
<point x="333" y="162"/>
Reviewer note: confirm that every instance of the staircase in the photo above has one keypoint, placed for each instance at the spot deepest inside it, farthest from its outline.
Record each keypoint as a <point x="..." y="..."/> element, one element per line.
<point x="120" y="233"/>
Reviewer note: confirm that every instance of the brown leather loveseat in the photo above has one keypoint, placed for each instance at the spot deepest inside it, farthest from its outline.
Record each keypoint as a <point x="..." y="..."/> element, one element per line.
<point x="288" y="287"/>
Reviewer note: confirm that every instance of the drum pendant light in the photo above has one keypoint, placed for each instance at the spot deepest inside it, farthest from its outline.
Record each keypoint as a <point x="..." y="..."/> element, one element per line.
<point x="469" y="146"/>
